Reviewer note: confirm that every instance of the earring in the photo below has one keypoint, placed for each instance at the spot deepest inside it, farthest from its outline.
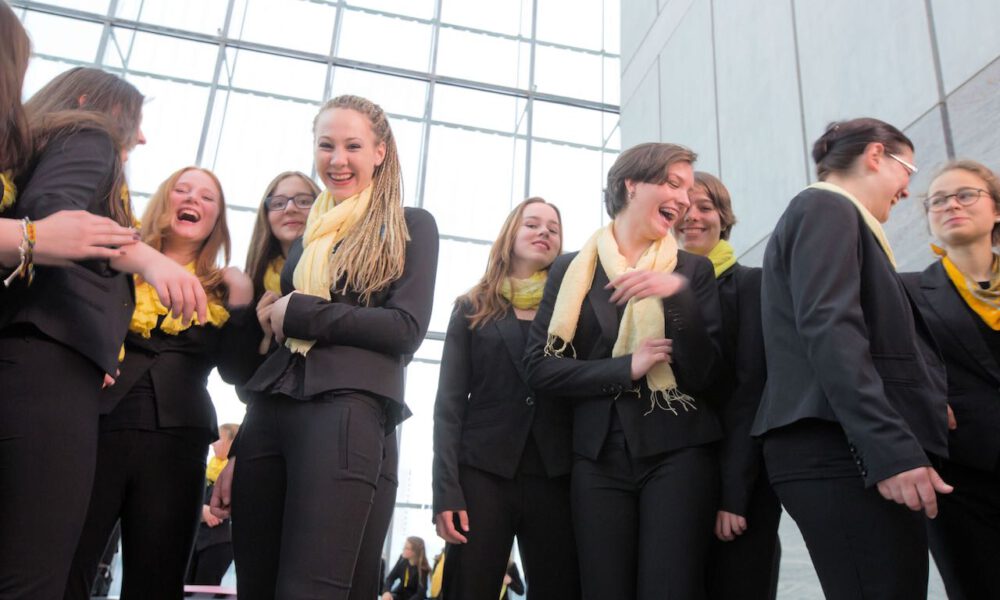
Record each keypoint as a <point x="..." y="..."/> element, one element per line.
<point x="631" y="194"/>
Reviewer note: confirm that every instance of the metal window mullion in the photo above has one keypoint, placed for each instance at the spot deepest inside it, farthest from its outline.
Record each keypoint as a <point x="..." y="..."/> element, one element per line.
<point x="531" y="100"/>
<point x="220" y="58"/>
<point x="105" y="33"/>
<point x="429" y="105"/>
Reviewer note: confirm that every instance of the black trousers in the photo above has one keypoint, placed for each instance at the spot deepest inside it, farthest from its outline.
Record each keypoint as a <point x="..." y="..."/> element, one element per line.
<point x="747" y="568"/>
<point x="209" y="565"/>
<point x="48" y="448"/>
<point x="303" y="488"/>
<point x="642" y="524"/>
<point x="154" y="482"/>
<point x="368" y="571"/>
<point x="534" y="508"/>
<point x="965" y="536"/>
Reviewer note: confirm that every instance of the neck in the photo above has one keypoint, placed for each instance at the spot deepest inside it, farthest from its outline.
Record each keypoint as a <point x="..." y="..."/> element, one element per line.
<point x="974" y="259"/>
<point x="181" y="252"/>
<point x="523" y="269"/>
<point x="853" y="187"/>
<point x="285" y="247"/>
<point x="631" y="245"/>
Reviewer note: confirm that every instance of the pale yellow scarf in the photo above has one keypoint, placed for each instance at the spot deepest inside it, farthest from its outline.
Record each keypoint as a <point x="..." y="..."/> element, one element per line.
<point x="525" y="294"/>
<point x="866" y="215"/>
<point x="722" y="256"/>
<point x="272" y="275"/>
<point x="327" y="225"/>
<point x="148" y="310"/>
<point x="642" y="319"/>
<point x="985" y="303"/>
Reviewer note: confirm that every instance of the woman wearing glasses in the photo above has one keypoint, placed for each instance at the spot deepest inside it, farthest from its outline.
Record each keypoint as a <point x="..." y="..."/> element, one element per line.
<point x="959" y="297"/>
<point x="855" y="402"/>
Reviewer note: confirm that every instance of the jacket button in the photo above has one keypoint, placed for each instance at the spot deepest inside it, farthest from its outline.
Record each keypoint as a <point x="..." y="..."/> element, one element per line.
<point x="529" y="401"/>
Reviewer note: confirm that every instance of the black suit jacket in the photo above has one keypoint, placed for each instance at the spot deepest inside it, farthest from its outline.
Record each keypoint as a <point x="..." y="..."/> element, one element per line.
<point x="360" y="347"/>
<point x="973" y="373"/>
<point x="843" y="342"/>
<point x="485" y="411"/>
<point x="595" y="383"/>
<point x="740" y="385"/>
<point x="85" y="305"/>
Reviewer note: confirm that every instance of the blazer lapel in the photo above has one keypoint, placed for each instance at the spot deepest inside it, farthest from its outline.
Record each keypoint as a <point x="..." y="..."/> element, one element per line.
<point x="606" y="312"/>
<point x="513" y="339"/>
<point x="947" y="304"/>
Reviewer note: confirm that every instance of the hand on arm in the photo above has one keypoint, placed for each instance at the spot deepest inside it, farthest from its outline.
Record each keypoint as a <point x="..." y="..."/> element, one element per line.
<point x="729" y="525"/>
<point x="239" y="286"/>
<point x="645" y="284"/>
<point x="650" y="353"/>
<point x="223" y="491"/>
<point x="178" y="290"/>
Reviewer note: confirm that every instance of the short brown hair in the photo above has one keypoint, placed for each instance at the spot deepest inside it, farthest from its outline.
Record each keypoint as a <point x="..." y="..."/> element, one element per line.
<point x="719" y="196"/>
<point x="983" y="172"/>
<point x="645" y="163"/>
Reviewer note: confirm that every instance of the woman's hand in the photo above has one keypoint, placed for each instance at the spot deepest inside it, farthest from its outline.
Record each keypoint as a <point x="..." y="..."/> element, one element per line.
<point x="650" y="353"/>
<point x="222" y="493"/>
<point x="641" y="284"/>
<point x="277" y="317"/>
<point x="208" y="518"/>
<point x="387" y="596"/>
<point x="444" y="521"/>
<point x="239" y="286"/>
<point x="729" y="525"/>
<point x="952" y="423"/>
<point x="916" y="489"/>
<point x="264" y="318"/>
<point x="77" y="235"/>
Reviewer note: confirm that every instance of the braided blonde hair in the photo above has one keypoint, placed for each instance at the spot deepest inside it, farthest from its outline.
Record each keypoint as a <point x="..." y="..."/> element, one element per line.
<point x="373" y="255"/>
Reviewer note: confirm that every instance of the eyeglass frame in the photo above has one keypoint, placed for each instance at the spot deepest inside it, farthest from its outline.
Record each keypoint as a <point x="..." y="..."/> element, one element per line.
<point x="947" y="197"/>
<point x="910" y="169"/>
<point x="289" y="200"/>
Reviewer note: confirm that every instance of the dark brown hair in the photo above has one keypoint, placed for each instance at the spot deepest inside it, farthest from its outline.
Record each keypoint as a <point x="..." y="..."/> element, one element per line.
<point x="86" y="98"/>
<point x="719" y="196"/>
<point x="488" y="304"/>
<point x="844" y="141"/>
<point x="15" y="139"/>
<point x="989" y="178"/>
<point x="645" y="163"/>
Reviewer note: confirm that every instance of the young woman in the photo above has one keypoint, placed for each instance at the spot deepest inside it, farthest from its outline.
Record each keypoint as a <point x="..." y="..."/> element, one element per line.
<point x="627" y="335"/>
<point x="83" y="123"/>
<point x="158" y="418"/>
<point x="323" y="402"/>
<point x="501" y="457"/>
<point x="958" y="297"/>
<point x="743" y="561"/>
<point x="855" y="397"/>
<point x="410" y="572"/>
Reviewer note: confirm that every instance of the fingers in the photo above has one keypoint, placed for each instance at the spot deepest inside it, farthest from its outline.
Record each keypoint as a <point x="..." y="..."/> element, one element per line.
<point x="445" y="525"/>
<point x="163" y="293"/>
<point x="463" y="520"/>
<point x="188" y="306"/>
<point x="108" y="381"/>
<point x="266" y="300"/>
<point x="952" y="423"/>
<point x="722" y="530"/>
<point x="200" y="302"/>
<point x="939" y="484"/>
<point x="738" y="524"/>
<point x="927" y="498"/>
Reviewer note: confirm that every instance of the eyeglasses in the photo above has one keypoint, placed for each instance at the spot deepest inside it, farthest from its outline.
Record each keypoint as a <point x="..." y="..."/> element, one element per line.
<point x="964" y="196"/>
<point x="276" y="203"/>
<point x="912" y="170"/>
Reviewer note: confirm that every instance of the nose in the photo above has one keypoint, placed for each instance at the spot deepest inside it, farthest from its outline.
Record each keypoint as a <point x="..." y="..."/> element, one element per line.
<point x="685" y="202"/>
<point x="337" y="157"/>
<point x="141" y="138"/>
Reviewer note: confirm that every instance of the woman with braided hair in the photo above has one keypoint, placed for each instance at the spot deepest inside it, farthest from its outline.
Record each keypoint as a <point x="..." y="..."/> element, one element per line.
<point x="359" y="287"/>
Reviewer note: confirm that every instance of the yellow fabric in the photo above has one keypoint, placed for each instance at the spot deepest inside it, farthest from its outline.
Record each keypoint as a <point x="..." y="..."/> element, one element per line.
<point x="525" y="294"/>
<point x="272" y="276"/>
<point x="437" y="576"/>
<point x="148" y="310"/>
<point x="328" y="223"/>
<point x="985" y="303"/>
<point x="215" y="466"/>
<point x="126" y="198"/>
<point x="642" y="319"/>
<point x="9" y="191"/>
<point x="406" y="577"/>
<point x="722" y="256"/>
<point x="866" y="215"/>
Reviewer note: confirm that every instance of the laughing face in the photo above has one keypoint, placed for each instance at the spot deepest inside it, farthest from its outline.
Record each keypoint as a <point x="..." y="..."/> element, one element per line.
<point x="701" y="228"/>
<point x="346" y="151"/>
<point x="896" y="181"/>
<point x="658" y="207"/>
<point x="194" y="206"/>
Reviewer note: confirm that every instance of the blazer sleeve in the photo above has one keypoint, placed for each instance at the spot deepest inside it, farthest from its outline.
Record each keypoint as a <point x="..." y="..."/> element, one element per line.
<point x="567" y="376"/>
<point x="823" y="261"/>
<point x="739" y="454"/>
<point x="693" y="320"/>
<point x="237" y="349"/>
<point x="454" y="385"/>
<point x="396" y="327"/>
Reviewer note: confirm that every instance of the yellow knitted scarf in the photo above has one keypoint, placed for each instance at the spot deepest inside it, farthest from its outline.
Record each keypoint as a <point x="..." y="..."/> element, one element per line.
<point x="985" y="303"/>
<point x="9" y="191"/>
<point x="272" y="276"/>
<point x="722" y="257"/>
<point x="215" y="466"/>
<point x="148" y="310"/>
<point x="642" y="319"/>
<point x="525" y="294"/>
<point x="328" y="223"/>
<point x="866" y="215"/>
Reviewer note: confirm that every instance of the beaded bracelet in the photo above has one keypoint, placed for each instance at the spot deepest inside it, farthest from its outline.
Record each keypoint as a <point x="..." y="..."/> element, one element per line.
<point x="27" y="252"/>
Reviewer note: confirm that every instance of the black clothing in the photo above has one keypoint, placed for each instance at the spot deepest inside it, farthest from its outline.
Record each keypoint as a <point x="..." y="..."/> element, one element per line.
<point x="213" y="549"/>
<point x="412" y="584"/>
<point x="516" y="585"/>
<point x="369" y="571"/>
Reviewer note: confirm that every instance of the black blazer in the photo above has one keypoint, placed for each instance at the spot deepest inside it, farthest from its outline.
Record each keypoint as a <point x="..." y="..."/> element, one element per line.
<point x="85" y="305"/>
<point x="843" y="342"/>
<point x="484" y="411"/>
<point x="741" y="384"/>
<point x="973" y="373"/>
<point x="179" y="366"/>
<point x="360" y="347"/>
<point x="595" y="382"/>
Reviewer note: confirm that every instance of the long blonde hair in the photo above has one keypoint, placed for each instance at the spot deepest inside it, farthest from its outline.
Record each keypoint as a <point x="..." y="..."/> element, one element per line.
<point x="264" y="247"/>
<point x="373" y="255"/>
<point x="156" y="226"/>
<point x="488" y="303"/>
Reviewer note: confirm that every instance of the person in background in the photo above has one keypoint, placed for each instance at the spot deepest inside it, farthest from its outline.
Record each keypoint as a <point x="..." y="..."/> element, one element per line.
<point x="407" y="580"/>
<point x="213" y="545"/>
<point x="511" y="581"/>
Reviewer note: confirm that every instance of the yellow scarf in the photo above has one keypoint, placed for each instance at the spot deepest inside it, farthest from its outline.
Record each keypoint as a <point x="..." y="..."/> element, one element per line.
<point x="869" y="218"/>
<point x="437" y="576"/>
<point x="985" y="303"/>
<point x="148" y="310"/>
<point x="525" y="294"/>
<point x="272" y="275"/>
<point x="328" y="223"/>
<point x="642" y="319"/>
<point x="9" y="190"/>
<point x="215" y="466"/>
<point x="722" y="257"/>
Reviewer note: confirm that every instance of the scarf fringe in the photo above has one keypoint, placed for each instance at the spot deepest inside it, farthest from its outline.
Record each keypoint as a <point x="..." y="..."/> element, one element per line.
<point x="552" y="347"/>
<point x="665" y="399"/>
